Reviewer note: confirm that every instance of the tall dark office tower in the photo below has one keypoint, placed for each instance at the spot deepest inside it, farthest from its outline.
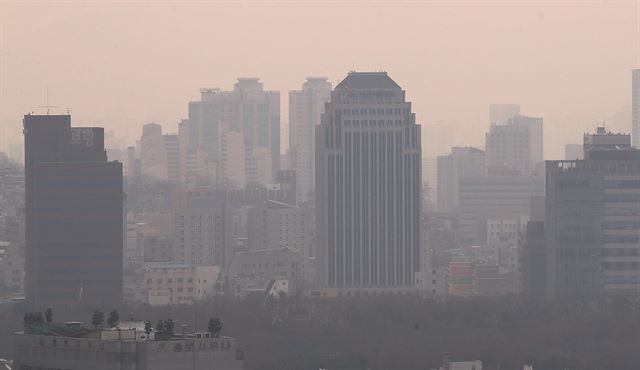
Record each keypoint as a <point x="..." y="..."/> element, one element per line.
<point x="368" y="167"/>
<point x="592" y="227"/>
<point x="73" y="210"/>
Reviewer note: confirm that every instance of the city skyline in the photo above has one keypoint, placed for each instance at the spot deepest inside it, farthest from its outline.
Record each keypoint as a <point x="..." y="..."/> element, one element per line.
<point x="517" y="39"/>
<point x="319" y="184"/>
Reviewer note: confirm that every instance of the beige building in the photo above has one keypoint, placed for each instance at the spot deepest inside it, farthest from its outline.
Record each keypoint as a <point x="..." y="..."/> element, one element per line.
<point x="259" y="167"/>
<point x="305" y="110"/>
<point x="167" y="284"/>
<point x="257" y="268"/>
<point x="232" y="160"/>
<point x="202" y="229"/>
<point x="159" y="154"/>
<point x="274" y="224"/>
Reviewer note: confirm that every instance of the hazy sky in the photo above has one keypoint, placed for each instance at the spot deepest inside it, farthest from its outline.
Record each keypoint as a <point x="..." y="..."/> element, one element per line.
<point x="122" y="64"/>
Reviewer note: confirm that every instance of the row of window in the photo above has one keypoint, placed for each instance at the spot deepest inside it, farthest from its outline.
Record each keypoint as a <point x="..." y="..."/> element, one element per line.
<point x="372" y="111"/>
<point x="170" y="280"/>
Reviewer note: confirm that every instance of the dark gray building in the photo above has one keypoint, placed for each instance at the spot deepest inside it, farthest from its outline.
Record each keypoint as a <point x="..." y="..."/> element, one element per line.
<point x="592" y="224"/>
<point x="368" y="179"/>
<point x="73" y="213"/>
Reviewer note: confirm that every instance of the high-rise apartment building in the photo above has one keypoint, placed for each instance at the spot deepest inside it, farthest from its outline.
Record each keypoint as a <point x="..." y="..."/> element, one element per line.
<point x="305" y="109"/>
<point x="74" y="216"/>
<point x="247" y="109"/>
<point x="515" y="146"/>
<point x="592" y="224"/>
<point x="159" y="154"/>
<point x="460" y="162"/>
<point x="368" y="187"/>
<point x="635" y="107"/>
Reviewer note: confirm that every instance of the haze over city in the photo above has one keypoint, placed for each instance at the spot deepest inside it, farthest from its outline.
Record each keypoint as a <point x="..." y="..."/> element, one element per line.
<point x="319" y="185"/>
<point x="120" y="64"/>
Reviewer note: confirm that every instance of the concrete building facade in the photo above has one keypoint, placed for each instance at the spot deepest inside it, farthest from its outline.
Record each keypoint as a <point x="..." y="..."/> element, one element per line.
<point x="460" y="163"/>
<point x="202" y="229"/>
<point x="305" y="110"/>
<point x="516" y="146"/>
<point x="591" y="225"/>
<point x="74" y="214"/>
<point x="120" y="350"/>
<point x="248" y="109"/>
<point x="368" y="187"/>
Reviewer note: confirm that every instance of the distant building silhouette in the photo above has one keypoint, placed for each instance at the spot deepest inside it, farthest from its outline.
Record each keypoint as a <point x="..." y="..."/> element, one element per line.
<point x="248" y="110"/>
<point x="74" y="215"/>
<point x="368" y="187"/>
<point x="591" y="222"/>
<point x="499" y="114"/>
<point x="305" y="109"/>
<point x="573" y="151"/>
<point x="159" y="154"/>
<point x="495" y="195"/>
<point x="461" y="162"/>
<point x="515" y="146"/>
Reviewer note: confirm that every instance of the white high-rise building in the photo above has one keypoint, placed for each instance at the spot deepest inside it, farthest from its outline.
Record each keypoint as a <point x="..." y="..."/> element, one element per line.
<point x="516" y="146"/>
<point x="635" y="108"/>
<point x="248" y="109"/>
<point x="368" y="187"/>
<point x="232" y="160"/>
<point x="159" y="154"/>
<point x="305" y="109"/>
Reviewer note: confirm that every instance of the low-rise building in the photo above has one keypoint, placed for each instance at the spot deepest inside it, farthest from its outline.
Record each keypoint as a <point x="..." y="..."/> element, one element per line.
<point x="167" y="284"/>
<point x="257" y="268"/>
<point x="58" y="346"/>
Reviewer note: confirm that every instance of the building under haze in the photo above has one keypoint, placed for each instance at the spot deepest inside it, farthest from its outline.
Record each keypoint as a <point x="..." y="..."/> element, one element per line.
<point x="493" y="196"/>
<point x="459" y="163"/>
<point x="74" y="214"/>
<point x="573" y="151"/>
<point x="499" y="114"/>
<point x="635" y="107"/>
<point x="305" y="109"/>
<point x="248" y="110"/>
<point x="71" y="346"/>
<point x="515" y="146"/>
<point x="592" y="224"/>
<point x="202" y="229"/>
<point x="159" y="154"/>
<point x="605" y="140"/>
<point x="368" y="187"/>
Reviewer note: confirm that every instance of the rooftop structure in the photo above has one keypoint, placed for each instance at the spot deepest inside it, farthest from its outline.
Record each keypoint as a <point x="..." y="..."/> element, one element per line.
<point x="126" y="347"/>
